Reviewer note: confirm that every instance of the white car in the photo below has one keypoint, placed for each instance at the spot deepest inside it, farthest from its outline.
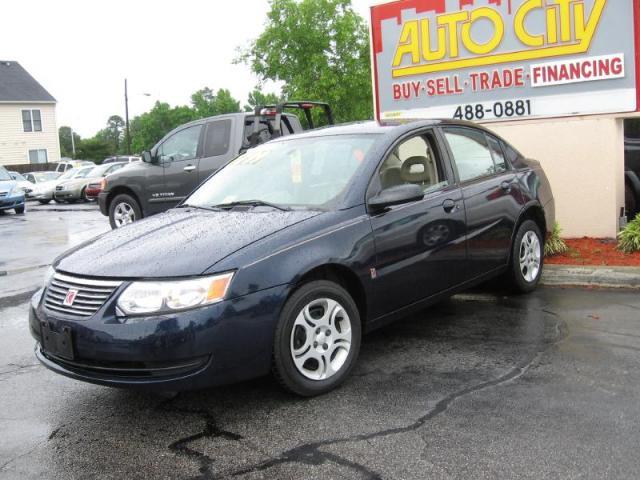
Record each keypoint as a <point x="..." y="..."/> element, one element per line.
<point x="42" y="185"/>
<point x="22" y="182"/>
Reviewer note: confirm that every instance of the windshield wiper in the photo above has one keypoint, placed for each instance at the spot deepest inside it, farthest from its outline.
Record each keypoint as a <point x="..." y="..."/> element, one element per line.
<point x="254" y="203"/>
<point x="200" y="207"/>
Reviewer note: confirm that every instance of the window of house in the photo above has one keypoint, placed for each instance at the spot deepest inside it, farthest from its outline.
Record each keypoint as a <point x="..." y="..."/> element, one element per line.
<point x="38" y="156"/>
<point x="31" y="121"/>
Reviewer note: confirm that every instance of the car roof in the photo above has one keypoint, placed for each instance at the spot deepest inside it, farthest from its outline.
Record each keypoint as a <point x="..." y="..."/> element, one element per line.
<point x="380" y="127"/>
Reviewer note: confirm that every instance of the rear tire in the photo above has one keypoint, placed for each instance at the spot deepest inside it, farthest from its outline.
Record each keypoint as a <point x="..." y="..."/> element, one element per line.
<point x="317" y="340"/>
<point x="123" y="209"/>
<point x="527" y="258"/>
<point x="44" y="202"/>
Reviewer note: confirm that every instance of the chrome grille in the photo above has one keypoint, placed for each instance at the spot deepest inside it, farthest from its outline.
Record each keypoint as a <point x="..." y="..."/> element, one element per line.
<point x="58" y="188"/>
<point x="92" y="294"/>
<point x="3" y="194"/>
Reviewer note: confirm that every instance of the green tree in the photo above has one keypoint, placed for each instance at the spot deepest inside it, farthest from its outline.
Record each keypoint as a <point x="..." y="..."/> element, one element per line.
<point x="320" y="49"/>
<point x="94" y="149"/>
<point x="257" y="97"/>
<point x="66" y="148"/>
<point x="207" y="104"/>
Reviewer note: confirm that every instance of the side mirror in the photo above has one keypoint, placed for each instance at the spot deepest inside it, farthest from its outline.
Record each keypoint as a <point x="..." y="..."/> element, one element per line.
<point x="396" y="196"/>
<point x="147" y="157"/>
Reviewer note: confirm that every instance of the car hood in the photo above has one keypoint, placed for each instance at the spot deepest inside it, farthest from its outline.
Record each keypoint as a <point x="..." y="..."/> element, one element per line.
<point x="180" y="242"/>
<point x="6" y="185"/>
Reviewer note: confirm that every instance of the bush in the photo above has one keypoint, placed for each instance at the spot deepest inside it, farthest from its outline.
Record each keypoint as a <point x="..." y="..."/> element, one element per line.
<point x="554" y="244"/>
<point x="629" y="238"/>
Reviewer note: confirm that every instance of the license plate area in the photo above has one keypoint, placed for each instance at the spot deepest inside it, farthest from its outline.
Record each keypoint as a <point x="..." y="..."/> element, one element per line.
<point x="58" y="344"/>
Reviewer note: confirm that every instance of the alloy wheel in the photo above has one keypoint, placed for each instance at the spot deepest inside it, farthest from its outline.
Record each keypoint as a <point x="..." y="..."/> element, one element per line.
<point x="321" y="339"/>
<point x="530" y="256"/>
<point x="123" y="214"/>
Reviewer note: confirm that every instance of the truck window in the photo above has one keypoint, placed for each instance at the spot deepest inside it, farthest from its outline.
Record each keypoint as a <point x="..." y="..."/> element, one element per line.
<point x="182" y="145"/>
<point x="218" y="138"/>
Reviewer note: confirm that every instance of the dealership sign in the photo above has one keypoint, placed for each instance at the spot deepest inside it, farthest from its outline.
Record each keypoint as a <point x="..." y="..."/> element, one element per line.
<point x="487" y="60"/>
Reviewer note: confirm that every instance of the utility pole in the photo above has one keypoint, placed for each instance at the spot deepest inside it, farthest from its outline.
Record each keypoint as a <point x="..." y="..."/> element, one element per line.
<point x="126" y="114"/>
<point x="73" y="144"/>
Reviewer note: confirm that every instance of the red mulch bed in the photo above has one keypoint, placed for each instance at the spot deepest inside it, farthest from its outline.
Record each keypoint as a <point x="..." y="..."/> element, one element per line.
<point x="595" y="251"/>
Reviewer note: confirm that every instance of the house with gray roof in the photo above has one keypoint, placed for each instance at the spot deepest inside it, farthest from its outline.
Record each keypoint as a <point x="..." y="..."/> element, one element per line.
<point x="28" y="129"/>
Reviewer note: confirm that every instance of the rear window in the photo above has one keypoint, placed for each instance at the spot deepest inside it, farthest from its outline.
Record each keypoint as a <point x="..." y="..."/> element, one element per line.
<point x="217" y="138"/>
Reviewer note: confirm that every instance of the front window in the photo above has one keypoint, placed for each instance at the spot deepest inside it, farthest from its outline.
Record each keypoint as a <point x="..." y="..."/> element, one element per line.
<point x="307" y="172"/>
<point x="38" y="156"/>
<point x="183" y="145"/>
<point x="31" y="121"/>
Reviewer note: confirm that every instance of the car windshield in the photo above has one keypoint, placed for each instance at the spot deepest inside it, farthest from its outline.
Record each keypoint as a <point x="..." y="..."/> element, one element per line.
<point x="305" y="172"/>
<point x="84" y="172"/>
<point x="99" y="171"/>
<point x="4" y="175"/>
<point x="16" y="176"/>
<point x="68" y="174"/>
<point x="45" y="176"/>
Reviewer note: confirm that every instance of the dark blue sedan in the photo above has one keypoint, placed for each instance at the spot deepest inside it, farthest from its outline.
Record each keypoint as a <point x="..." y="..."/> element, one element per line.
<point x="285" y="257"/>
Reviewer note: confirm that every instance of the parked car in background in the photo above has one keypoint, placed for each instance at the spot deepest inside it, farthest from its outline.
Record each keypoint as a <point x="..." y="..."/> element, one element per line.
<point x="75" y="188"/>
<point x="12" y="197"/>
<point x="62" y="167"/>
<point x="42" y="185"/>
<point x="124" y="158"/>
<point x="23" y="183"/>
<point x="632" y="176"/>
<point x="190" y="153"/>
<point x="282" y="259"/>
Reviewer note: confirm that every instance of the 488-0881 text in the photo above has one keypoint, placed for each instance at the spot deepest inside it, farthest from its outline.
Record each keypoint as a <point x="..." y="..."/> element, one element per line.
<point x="508" y="109"/>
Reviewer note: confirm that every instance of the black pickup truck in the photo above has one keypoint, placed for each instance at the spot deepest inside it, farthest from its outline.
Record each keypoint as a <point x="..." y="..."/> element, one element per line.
<point x="190" y="153"/>
<point x="632" y="176"/>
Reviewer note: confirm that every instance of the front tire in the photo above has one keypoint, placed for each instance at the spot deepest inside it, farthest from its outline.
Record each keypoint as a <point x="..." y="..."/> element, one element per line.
<point x="527" y="258"/>
<point x="44" y="202"/>
<point x="123" y="210"/>
<point x="317" y="340"/>
<point x="20" y="210"/>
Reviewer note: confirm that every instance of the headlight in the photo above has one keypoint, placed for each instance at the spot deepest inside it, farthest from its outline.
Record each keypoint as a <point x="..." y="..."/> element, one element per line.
<point x="154" y="297"/>
<point x="48" y="276"/>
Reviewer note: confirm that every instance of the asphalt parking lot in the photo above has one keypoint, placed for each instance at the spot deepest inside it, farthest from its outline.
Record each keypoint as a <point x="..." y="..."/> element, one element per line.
<point x="481" y="386"/>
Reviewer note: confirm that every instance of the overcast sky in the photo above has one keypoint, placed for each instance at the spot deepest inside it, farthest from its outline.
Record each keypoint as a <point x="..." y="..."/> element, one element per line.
<point x="81" y="51"/>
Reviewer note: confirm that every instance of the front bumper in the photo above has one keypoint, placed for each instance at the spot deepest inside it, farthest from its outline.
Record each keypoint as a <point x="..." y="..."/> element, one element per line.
<point x="71" y="194"/>
<point x="92" y="194"/>
<point x="102" y="203"/>
<point x="218" y="344"/>
<point x="11" y="202"/>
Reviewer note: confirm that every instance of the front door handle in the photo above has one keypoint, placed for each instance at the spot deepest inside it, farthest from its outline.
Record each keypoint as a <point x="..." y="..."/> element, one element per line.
<point x="506" y="186"/>
<point x="189" y="168"/>
<point x="449" y="205"/>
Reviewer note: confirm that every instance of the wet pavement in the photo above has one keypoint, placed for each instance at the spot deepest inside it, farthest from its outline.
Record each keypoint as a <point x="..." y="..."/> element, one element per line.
<point x="480" y="386"/>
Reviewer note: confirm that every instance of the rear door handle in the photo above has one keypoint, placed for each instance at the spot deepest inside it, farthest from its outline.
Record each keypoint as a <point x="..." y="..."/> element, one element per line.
<point x="189" y="168"/>
<point x="449" y="205"/>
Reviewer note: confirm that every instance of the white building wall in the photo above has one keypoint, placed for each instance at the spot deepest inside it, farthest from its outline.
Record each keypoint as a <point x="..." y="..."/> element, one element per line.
<point x="15" y="143"/>
<point x="584" y="160"/>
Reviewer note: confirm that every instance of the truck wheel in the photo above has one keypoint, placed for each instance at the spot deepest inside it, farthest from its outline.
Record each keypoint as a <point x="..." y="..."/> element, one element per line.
<point x="317" y="339"/>
<point x="630" y="201"/>
<point x="527" y="258"/>
<point x="123" y="210"/>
